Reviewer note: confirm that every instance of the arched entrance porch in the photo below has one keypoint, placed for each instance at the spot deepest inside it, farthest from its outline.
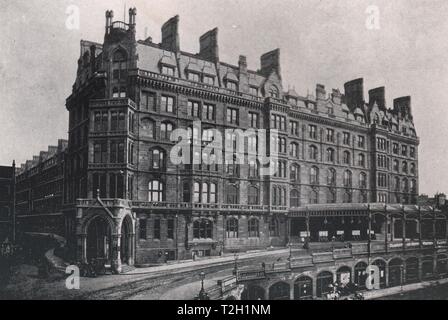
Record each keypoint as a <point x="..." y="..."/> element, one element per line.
<point x="99" y="239"/>
<point x="127" y="241"/>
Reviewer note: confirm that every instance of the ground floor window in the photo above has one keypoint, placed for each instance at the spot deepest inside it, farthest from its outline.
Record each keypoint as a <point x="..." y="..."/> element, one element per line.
<point x="203" y="229"/>
<point x="253" y="228"/>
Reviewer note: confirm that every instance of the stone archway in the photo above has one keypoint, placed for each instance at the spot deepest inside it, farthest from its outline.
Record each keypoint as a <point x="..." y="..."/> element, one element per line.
<point x="127" y="241"/>
<point x="279" y="291"/>
<point x="99" y="239"/>
<point x="253" y="293"/>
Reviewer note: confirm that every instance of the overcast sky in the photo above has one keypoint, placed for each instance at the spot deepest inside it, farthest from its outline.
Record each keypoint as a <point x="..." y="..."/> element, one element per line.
<point x="321" y="42"/>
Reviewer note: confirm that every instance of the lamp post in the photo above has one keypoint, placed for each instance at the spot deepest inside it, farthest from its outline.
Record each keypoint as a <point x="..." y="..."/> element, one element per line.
<point x="202" y="294"/>
<point x="401" y="279"/>
<point x="235" y="269"/>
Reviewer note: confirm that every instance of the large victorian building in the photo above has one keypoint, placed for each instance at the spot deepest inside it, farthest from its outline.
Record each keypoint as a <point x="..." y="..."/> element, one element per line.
<point x="125" y="200"/>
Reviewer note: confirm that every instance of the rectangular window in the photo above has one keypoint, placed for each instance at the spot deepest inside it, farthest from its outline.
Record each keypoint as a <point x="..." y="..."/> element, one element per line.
<point x="148" y="101"/>
<point x="232" y="116"/>
<point x="194" y="108"/>
<point x="412" y="152"/>
<point x="395" y="148"/>
<point x="361" y="142"/>
<point x="346" y="138"/>
<point x="192" y="76"/>
<point x="143" y="226"/>
<point x="330" y="135"/>
<point x="101" y="121"/>
<point x="167" y="104"/>
<point x="169" y="71"/>
<point x="157" y="229"/>
<point x="253" y="91"/>
<point x="312" y="130"/>
<point x="208" y="112"/>
<point x="100" y="152"/>
<point x="253" y="118"/>
<point x="294" y="128"/>
<point x="170" y="229"/>
<point x="209" y="80"/>
<point x="232" y="85"/>
<point x="404" y="150"/>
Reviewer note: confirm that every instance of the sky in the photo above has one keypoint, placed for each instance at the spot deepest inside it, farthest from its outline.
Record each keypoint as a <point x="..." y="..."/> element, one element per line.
<point x="329" y="42"/>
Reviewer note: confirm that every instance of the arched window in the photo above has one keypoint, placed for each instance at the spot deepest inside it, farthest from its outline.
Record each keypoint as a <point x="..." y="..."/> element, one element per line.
<point x="253" y="169"/>
<point x="313" y="153"/>
<point x="330" y="155"/>
<point x="273" y="92"/>
<point x="165" y="130"/>
<point x="412" y="169"/>
<point x="294" y="150"/>
<point x="156" y="159"/>
<point x="294" y="173"/>
<point x="404" y="167"/>
<point x="294" y="198"/>
<point x="273" y="227"/>
<point x="148" y="128"/>
<point x="331" y="195"/>
<point x="232" y="194"/>
<point x="203" y="229"/>
<point x="196" y="192"/>
<point x="155" y="193"/>
<point x="186" y="192"/>
<point x="347" y="197"/>
<point x="361" y="160"/>
<point x="362" y="180"/>
<point x="413" y="186"/>
<point x="346" y="158"/>
<point x="347" y="179"/>
<point x="213" y="191"/>
<point x="314" y="197"/>
<point x="397" y="184"/>
<point x="119" y="65"/>
<point x="314" y="175"/>
<point x="331" y="177"/>
<point x="253" y="198"/>
<point x="253" y="228"/>
<point x="396" y="166"/>
<point x="205" y="193"/>
<point x="232" y="228"/>
<point x="405" y="185"/>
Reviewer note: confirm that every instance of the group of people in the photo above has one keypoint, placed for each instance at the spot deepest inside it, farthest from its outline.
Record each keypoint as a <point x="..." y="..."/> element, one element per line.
<point x="339" y="290"/>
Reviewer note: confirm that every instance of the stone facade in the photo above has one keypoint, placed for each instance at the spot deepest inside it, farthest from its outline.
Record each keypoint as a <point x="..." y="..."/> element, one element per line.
<point x="7" y="202"/>
<point x="130" y="95"/>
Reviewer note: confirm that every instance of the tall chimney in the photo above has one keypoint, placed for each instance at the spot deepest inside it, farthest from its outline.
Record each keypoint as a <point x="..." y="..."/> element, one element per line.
<point x="170" y="35"/>
<point x="321" y="93"/>
<point x="270" y="62"/>
<point x="208" y="44"/>
<point x="403" y="106"/>
<point x="354" y="93"/>
<point x="378" y="95"/>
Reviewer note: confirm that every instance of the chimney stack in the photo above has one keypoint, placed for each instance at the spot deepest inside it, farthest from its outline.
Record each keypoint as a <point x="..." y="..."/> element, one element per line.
<point x="109" y="17"/>
<point x="270" y="62"/>
<point x="170" y="35"/>
<point x="320" y="92"/>
<point x="354" y="93"/>
<point x="208" y="46"/>
<point x="378" y="95"/>
<point x="132" y="14"/>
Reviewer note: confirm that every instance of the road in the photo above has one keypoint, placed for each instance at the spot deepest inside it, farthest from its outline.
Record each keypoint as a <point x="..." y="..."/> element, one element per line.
<point x="180" y="284"/>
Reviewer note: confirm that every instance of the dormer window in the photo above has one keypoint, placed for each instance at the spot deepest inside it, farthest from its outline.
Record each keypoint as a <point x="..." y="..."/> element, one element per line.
<point x="253" y="91"/>
<point x="193" y="76"/>
<point x="167" y="70"/>
<point x="231" y="85"/>
<point x="209" y="80"/>
<point x="273" y="92"/>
